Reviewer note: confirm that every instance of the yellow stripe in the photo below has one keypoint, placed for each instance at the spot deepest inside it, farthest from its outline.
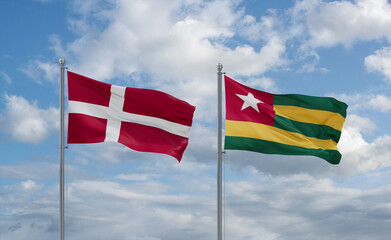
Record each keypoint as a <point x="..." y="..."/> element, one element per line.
<point x="270" y="133"/>
<point x="334" y="120"/>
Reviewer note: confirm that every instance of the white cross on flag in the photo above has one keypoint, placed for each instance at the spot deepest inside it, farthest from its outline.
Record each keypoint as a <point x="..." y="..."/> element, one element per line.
<point x="142" y="119"/>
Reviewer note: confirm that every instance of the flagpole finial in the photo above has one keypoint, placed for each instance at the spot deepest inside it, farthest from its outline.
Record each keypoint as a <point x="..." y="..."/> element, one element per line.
<point x="62" y="61"/>
<point x="219" y="67"/>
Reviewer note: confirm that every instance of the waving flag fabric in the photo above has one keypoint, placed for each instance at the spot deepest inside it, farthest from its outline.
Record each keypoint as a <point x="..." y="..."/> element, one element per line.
<point x="142" y="119"/>
<point x="288" y="124"/>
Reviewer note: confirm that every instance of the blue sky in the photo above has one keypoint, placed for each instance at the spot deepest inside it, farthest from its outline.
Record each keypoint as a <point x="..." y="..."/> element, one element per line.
<point x="323" y="48"/>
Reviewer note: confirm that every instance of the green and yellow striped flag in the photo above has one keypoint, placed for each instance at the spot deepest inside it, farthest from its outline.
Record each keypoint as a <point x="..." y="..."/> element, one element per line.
<point x="289" y="124"/>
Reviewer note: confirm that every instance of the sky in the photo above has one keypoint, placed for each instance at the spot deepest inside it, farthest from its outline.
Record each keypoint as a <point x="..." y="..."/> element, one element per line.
<point x="340" y="49"/>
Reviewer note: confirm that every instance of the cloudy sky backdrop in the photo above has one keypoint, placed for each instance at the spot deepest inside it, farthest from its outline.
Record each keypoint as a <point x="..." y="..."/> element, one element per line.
<point x="314" y="47"/>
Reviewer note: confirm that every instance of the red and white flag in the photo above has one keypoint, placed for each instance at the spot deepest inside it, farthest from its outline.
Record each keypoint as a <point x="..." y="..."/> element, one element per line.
<point x="142" y="119"/>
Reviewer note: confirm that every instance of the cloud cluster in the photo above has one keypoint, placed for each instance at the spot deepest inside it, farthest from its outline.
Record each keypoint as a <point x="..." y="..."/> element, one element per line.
<point x="295" y="207"/>
<point x="24" y="188"/>
<point x="361" y="102"/>
<point x="287" y="204"/>
<point x="27" y="122"/>
<point x="173" y="47"/>
<point x="38" y="70"/>
<point x="380" y="61"/>
<point x="36" y="170"/>
<point x="344" y="22"/>
<point x="359" y="155"/>
<point x="325" y="24"/>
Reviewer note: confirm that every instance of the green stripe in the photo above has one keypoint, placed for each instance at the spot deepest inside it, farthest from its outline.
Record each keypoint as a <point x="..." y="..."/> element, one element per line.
<point x="262" y="146"/>
<point x="307" y="129"/>
<point x="311" y="102"/>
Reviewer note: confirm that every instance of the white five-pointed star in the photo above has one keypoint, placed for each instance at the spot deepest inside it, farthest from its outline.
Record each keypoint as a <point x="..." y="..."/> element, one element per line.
<point x="249" y="101"/>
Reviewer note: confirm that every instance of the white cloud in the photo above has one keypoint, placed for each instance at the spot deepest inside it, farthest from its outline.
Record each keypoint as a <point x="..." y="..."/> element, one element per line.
<point x="26" y="122"/>
<point x="360" y="156"/>
<point x="380" y="62"/>
<point x="267" y="27"/>
<point x="319" y="23"/>
<point x="294" y="206"/>
<point x="381" y="103"/>
<point x="362" y="124"/>
<point x="344" y="22"/>
<point x="311" y="67"/>
<point x="33" y="171"/>
<point x="265" y="83"/>
<point x="176" y="49"/>
<point x="303" y="207"/>
<point x="39" y="71"/>
<point x="135" y="176"/>
<point x="363" y="102"/>
<point x="5" y="76"/>
<point x="244" y="60"/>
<point x="24" y="188"/>
<point x="56" y="46"/>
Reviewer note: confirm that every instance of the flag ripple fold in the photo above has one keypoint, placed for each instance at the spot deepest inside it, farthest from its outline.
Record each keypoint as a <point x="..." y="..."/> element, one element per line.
<point x="289" y="124"/>
<point x="144" y="120"/>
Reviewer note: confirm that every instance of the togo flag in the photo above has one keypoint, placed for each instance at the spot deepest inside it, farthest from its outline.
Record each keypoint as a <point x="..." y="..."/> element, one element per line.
<point x="289" y="124"/>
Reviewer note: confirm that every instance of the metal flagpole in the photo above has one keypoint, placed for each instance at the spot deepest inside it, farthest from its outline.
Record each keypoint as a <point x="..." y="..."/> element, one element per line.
<point x="62" y="218"/>
<point x="219" y="153"/>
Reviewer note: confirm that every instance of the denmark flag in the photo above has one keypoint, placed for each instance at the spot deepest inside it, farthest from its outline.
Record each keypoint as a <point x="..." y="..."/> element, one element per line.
<point x="142" y="119"/>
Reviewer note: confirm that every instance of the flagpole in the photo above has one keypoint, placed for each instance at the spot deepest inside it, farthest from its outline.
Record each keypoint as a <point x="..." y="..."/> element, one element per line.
<point x="219" y="153"/>
<point x="62" y="218"/>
